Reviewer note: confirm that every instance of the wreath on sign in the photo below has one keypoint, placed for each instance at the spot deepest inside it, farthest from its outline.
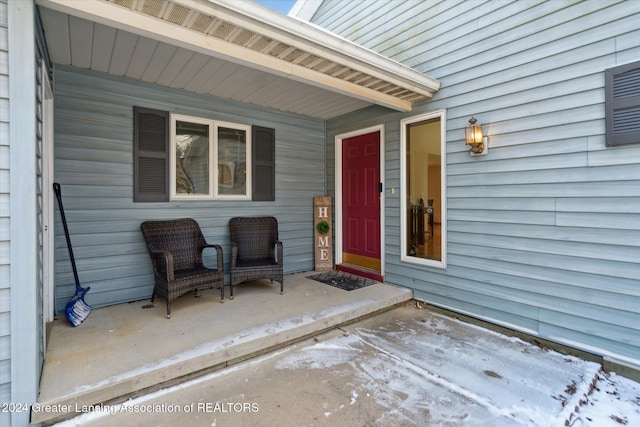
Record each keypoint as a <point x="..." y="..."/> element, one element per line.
<point x="322" y="227"/>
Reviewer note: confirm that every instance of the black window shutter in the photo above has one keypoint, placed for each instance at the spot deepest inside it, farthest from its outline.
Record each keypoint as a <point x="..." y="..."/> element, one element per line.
<point x="263" y="163"/>
<point x="622" y="104"/>
<point x="150" y="155"/>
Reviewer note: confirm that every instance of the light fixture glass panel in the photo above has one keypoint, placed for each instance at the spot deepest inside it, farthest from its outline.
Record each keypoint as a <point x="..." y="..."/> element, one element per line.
<point x="473" y="134"/>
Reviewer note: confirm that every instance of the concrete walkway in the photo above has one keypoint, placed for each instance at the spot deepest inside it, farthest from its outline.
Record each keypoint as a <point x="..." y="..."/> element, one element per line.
<point x="128" y="349"/>
<point x="403" y="367"/>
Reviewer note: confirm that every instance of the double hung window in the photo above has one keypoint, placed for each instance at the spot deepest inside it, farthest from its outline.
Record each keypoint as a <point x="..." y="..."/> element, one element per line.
<point x="209" y="159"/>
<point x="178" y="157"/>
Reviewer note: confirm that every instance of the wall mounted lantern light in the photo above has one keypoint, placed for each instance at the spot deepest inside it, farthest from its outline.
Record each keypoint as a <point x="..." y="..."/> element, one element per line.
<point x="475" y="140"/>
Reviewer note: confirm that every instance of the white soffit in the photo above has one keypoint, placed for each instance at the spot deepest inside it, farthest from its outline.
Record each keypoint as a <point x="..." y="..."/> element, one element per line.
<point x="248" y="34"/>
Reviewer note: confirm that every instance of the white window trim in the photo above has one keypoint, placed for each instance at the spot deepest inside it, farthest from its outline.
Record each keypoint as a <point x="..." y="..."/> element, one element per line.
<point x="404" y="257"/>
<point x="213" y="159"/>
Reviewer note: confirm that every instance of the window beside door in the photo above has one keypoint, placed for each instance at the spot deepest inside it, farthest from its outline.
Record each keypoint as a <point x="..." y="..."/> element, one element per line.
<point x="423" y="176"/>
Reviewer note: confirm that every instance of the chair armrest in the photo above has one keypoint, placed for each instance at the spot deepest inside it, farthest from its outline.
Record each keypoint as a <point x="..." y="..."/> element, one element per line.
<point x="163" y="264"/>
<point x="279" y="251"/>
<point x="218" y="249"/>
<point x="234" y="254"/>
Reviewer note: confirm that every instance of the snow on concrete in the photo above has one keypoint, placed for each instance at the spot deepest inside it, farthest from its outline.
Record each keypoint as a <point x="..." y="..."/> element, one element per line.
<point x="433" y="370"/>
<point x="450" y="373"/>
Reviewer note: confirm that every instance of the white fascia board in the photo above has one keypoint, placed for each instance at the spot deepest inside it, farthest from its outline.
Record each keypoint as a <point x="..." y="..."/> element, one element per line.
<point x="317" y="40"/>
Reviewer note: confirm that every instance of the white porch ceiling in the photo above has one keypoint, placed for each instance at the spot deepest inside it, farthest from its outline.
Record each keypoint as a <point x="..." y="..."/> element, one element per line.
<point x="236" y="50"/>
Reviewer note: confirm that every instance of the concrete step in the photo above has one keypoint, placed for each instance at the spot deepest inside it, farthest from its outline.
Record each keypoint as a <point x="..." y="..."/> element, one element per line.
<point x="130" y="349"/>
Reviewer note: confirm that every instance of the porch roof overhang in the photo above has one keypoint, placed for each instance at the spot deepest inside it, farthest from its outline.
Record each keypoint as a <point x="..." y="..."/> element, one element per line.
<point x="236" y="50"/>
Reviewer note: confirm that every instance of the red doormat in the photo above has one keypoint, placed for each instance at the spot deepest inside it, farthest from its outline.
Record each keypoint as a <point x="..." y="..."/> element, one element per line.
<point x="342" y="280"/>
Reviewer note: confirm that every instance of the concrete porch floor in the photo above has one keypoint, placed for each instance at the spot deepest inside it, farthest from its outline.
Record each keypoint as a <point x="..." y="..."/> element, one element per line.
<point x="412" y="366"/>
<point x="129" y="349"/>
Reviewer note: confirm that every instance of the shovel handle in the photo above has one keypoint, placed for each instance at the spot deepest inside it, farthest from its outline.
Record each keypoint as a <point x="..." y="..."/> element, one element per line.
<point x="58" y="191"/>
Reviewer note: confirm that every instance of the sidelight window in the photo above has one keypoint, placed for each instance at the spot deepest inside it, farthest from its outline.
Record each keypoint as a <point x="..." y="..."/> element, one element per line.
<point x="423" y="222"/>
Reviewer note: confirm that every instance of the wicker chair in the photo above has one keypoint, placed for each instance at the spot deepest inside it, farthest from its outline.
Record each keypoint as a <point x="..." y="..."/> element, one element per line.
<point x="256" y="252"/>
<point x="176" y="247"/>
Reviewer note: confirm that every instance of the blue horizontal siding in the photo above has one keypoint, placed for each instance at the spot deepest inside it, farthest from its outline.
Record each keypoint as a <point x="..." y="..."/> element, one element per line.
<point x="94" y="165"/>
<point x="543" y="232"/>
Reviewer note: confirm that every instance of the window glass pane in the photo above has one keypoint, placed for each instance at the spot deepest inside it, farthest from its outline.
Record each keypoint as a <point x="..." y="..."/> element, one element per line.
<point x="232" y="161"/>
<point x="423" y="190"/>
<point x="192" y="158"/>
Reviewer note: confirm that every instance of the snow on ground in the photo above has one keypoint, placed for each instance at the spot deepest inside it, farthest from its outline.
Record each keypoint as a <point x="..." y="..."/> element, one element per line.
<point x="401" y="368"/>
<point x="615" y="401"/>
<point x="451" y="373"/>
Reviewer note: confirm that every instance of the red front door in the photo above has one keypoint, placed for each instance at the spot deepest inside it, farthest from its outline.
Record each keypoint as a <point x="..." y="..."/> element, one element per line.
<point x="361" y="200"/>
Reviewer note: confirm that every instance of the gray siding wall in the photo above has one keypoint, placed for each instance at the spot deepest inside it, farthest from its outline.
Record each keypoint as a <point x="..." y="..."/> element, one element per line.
<point x="94" y="165"/>
<point x="544" y="231"/>
<point x="5" y="292"/>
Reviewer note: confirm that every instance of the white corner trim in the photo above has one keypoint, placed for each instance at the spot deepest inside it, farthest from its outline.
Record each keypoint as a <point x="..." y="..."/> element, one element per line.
<point x="25" y="302"/>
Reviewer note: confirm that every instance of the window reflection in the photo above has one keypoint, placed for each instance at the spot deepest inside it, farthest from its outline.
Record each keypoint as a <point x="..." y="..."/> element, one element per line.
<point x="192" y="158"/>
<point x="232" y="161"/>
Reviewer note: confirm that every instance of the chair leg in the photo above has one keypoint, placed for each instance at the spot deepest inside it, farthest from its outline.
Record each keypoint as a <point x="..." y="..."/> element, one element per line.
<point x="282" y="287"/>
<point x="231" y="291"/>
<point x="222" y="293"/>
<point x="168" y="310"/>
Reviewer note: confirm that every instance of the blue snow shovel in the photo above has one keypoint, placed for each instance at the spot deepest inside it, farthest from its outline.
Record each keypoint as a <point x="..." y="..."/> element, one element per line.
<point x="77" y="309"/>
